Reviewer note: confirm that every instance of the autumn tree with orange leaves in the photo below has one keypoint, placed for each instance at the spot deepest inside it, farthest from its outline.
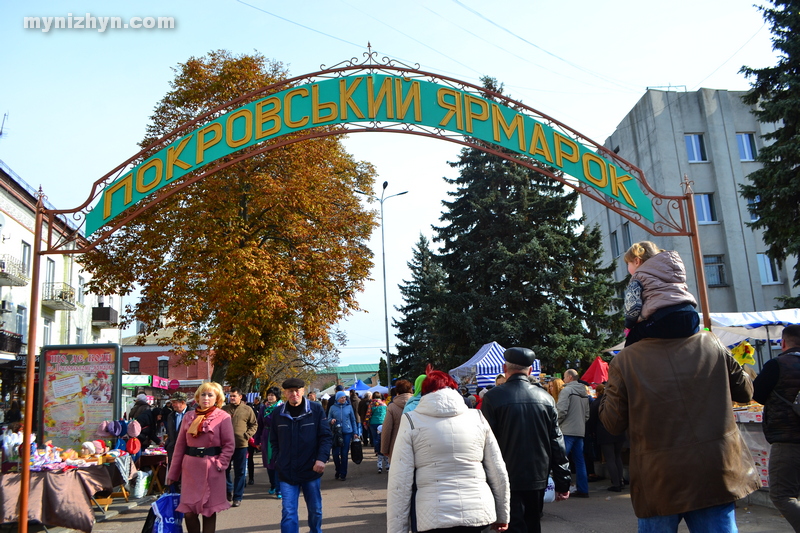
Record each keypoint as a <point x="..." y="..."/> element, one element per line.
<point x="258" y="261"/>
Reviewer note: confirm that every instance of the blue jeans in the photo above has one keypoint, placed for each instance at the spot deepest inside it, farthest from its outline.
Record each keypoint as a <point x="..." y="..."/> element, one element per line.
<point x="376" y="438"/>
<point x="340" y="455"/>
<point x="717" y="519"/>
<point x="575" y="445"/>
<point x="239" y="465"/>
<point x="291" y="496"/>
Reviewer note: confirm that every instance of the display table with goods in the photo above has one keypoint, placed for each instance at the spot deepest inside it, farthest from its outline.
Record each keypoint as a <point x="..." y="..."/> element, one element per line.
<point x="66" y="485"/>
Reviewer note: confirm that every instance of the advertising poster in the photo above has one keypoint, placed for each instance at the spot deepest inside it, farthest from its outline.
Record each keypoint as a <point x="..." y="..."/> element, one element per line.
<point x="80" y="388"/>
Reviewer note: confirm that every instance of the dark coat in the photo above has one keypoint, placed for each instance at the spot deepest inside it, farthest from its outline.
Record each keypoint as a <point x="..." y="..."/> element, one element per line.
<point x="596" y="428"/>
<point x="781" y="375"/>
<point x="299" y="442"/>
<point x="524" y="420"/>
<point x="172" y="431"/>
<point x="674" y="398"/>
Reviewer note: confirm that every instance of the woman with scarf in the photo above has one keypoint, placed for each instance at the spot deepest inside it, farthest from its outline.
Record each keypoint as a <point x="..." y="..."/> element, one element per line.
<point x="262" y="437"/>
<point x="376" y="412"/>
<point x="203" y="451"/>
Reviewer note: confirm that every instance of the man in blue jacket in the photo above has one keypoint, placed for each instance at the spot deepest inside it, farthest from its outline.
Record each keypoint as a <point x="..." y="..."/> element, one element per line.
<point x="301" y="441"/>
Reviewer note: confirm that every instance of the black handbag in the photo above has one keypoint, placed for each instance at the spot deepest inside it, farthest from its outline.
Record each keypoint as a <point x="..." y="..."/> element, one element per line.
<point x="356" y="450"/>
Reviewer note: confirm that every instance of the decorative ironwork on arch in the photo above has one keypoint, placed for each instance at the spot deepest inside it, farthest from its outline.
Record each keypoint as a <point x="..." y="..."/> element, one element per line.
<point x="669" y="212"/>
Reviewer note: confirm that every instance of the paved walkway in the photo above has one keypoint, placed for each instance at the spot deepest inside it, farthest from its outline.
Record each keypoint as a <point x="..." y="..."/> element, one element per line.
<point x="359" y="505"/>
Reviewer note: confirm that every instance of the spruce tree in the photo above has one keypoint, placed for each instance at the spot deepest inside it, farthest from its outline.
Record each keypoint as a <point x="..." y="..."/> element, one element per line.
<point x="521" y="268"/>
<point x="418" y="329"/>
<point x="774" y="189"/>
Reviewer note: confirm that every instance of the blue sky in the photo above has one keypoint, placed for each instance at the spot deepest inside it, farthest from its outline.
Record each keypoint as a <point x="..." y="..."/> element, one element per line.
<point x="77" y="101"/>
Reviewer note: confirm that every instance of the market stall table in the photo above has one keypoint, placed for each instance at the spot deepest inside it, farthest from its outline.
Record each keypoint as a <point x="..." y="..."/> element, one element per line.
<point x="158" y="463"/>
<point x="59" y="498"/>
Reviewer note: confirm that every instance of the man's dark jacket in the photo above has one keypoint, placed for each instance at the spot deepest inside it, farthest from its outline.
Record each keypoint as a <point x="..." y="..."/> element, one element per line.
<point x="524" y="420"/>
<point x="299" y="442"/>
<point x="781" y="375"/>
<point x="172" y="431"/>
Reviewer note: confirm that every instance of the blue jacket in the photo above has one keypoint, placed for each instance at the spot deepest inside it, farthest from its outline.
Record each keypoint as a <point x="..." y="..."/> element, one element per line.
<point x="345" y="416"/>
<point x="299" y="442"/>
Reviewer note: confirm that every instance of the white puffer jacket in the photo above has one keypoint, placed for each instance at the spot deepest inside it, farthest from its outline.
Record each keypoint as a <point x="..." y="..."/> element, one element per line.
<point x="460" y="474"/>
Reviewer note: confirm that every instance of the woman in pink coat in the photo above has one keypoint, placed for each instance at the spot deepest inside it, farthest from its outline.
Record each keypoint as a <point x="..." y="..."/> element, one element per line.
<point x="203" y="451"/>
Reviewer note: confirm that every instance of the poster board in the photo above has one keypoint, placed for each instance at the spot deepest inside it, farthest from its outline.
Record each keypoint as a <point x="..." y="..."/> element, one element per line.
<point x="80" y="386"/>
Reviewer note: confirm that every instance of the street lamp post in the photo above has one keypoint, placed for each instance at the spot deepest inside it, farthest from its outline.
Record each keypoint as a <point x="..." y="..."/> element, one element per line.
<point x="385" y="297"/>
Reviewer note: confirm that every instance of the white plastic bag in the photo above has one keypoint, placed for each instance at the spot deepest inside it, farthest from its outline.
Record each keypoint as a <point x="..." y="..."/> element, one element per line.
<point x="550" y="491"/>
<point x="141" y="486"/>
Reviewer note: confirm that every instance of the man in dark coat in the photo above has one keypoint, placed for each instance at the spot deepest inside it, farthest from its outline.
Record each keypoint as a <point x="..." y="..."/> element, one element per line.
<point x="301" y="440"/>
<point x="174" y="421"/>
<point x="524" y="420"/>
<point x="780" y="378"/>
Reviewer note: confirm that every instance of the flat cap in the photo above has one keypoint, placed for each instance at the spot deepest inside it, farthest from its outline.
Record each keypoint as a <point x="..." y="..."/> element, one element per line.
<point x="520" y="356"/>
<point x="293" y="383"/>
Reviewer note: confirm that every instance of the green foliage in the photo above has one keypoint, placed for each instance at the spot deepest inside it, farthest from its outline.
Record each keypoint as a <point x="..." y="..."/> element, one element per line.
<point x="418" y="331"/>
<point x="774" y="189"/>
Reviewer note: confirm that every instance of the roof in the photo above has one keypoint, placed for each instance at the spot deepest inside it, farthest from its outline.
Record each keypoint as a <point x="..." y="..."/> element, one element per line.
<point x="351" y="369"/>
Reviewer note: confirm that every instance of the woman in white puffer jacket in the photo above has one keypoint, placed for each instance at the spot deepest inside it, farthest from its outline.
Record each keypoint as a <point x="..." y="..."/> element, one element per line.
<point x="450" y="453"/>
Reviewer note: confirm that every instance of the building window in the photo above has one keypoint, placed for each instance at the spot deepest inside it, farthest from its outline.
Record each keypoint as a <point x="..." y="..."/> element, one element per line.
<point x="47" y="332"/>
<point x="26" y="258"/>
<point x="81" y="282"/>
<point x="626" y="236"/>
<point x="768" y="270"/>
<point x="50" y="273"/>
<point x="704" y="205"/>
<point x="21" y="323"/>
<point x="133" y="367"/>
<point x="695" y="148"/>
<point x="78" y="335"/>
<point x="751" y="205"/>
<point x="747" y="146"/>
<point x="715" y="270"/>
<point x="163" y="369"/>
<point x="614" y="244"/>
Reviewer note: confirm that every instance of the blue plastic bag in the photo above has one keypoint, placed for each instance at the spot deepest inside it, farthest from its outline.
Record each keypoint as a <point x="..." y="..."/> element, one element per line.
<point x="168" y="520"/>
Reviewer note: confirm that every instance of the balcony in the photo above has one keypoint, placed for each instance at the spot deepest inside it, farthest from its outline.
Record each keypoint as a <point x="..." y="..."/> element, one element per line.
<point x="12" y="272"/>
<point x="10" y="342"/>
<point x="58" y="296"/>
<point x="104" y="317"/>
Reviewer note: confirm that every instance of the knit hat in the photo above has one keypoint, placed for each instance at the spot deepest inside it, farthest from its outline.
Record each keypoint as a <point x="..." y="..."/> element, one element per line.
<point x="134" y="429"/>
<point x="142" y="398"/>
<point x="340" y="394"/>
<point x="102" y="430"/>
<point x="99" y="446"/>
<point x="89" y="447"/>
<point x="134" y="446"/>
<point x="418" y="384"/>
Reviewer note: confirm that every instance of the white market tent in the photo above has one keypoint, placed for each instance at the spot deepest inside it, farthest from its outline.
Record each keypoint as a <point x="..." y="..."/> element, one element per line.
<point x="485" y="365"/>
<point x="733" y="328"/>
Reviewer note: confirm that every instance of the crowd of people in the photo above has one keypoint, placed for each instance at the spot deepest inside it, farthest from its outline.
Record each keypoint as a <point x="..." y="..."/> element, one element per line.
<point x="461" y="462"/>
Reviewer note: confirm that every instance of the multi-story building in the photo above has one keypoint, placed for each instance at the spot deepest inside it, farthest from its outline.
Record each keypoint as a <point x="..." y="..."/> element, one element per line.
<point x="68" y="314"/>
<point x="712" y="137"/>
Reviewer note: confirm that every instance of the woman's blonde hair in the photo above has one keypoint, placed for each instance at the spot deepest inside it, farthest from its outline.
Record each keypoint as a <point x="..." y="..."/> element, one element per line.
<point x="642" y="250"/>
<point x="212" y="386"/>
<point x="555" y="388"/>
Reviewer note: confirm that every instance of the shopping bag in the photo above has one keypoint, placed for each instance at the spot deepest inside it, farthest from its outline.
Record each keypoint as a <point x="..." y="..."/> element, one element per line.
<point x="550" y="491"/>
<point x="356" y="450"/>
<point x="168" y="520"/>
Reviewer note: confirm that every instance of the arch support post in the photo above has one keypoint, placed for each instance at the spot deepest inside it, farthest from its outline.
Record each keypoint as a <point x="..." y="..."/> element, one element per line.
<point x="699" y="266"/>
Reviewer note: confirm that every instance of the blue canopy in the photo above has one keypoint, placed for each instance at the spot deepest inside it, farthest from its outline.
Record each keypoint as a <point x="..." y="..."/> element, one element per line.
<point x="359" y="385"/>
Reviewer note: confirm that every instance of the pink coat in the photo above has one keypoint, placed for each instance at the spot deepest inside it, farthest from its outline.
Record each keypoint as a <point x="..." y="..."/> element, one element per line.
<point x="203" y="485"/>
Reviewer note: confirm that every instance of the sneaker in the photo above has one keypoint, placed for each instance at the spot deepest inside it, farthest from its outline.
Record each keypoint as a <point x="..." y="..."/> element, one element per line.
<point x="579" y="494"/>
<point x="230" y="496"/>
<point x="336" y="476"/>
<point x="236" y="503"/>
<point x="380" y="470"/>
<point x="342" y="478"/>
<point x="252" y="482"/>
